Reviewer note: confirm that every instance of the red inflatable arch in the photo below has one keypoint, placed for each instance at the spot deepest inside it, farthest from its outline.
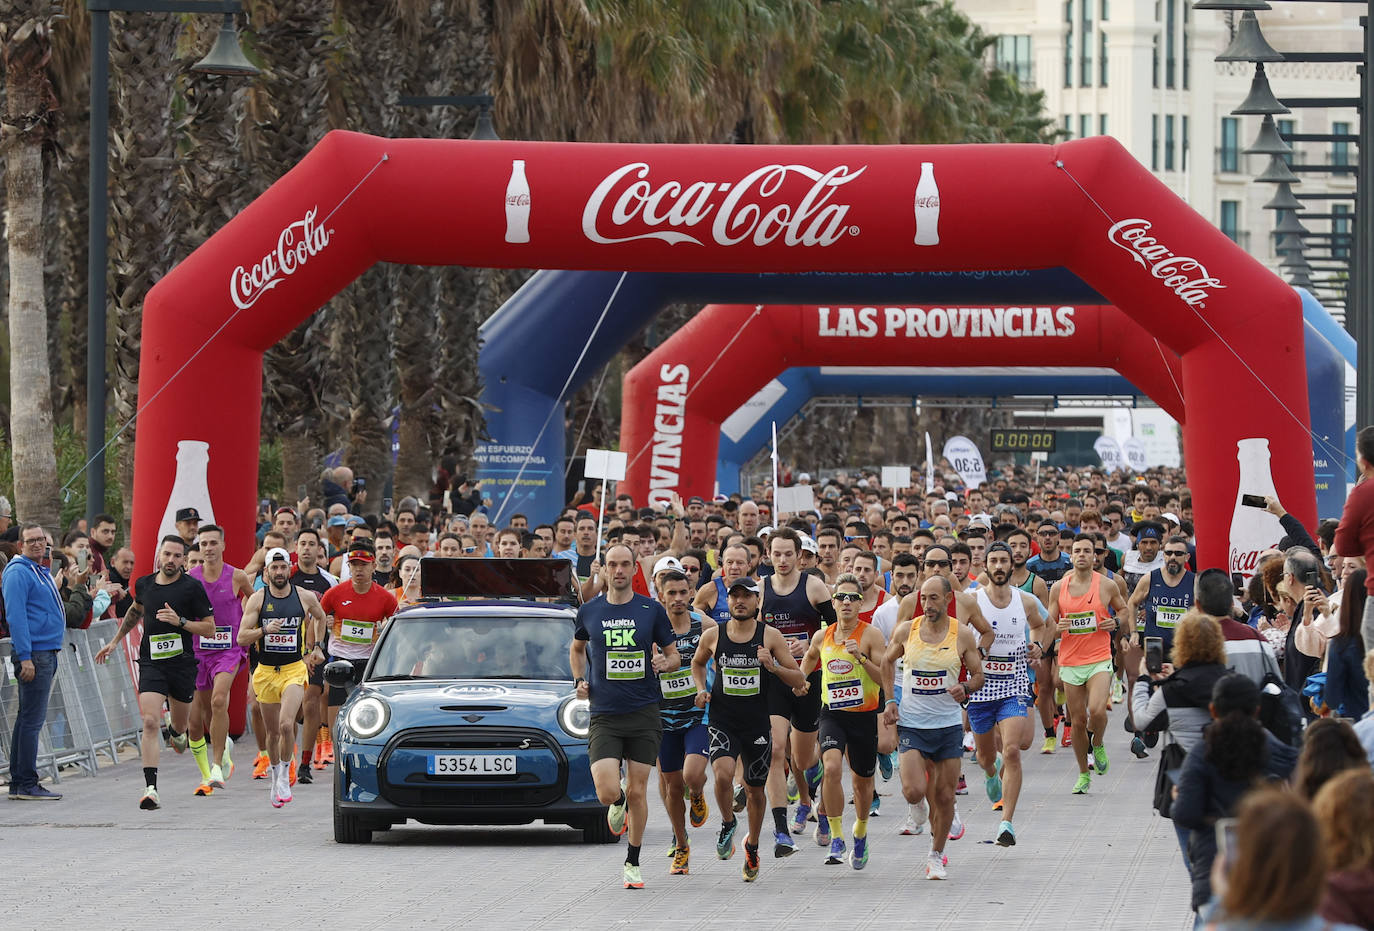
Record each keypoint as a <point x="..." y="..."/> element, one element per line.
<point x="356" y="200"/>
<point x="672" y="443"/>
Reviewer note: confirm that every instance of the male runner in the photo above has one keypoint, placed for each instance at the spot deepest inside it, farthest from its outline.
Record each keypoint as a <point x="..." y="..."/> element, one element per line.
<point x="849" y="656"/>
<point x="1046" y="673"/>
<point x="798" y="606"/>
<point x="928" y="713"/>
<point x="828" y="541"/>
<point x="311" y="577"/>
<point x="865" y="569"/>
<point x="615" y="642"/>
<point x="1080" y="609"/>
<point x="356" y="610"/>
<point x="173" y="608"/>
<point x="1166" y="594"/>
<point x="1145" y="558"/>
<point x="711" y="599"/>
<point x="744" y="650"/>
<point x="1051" y="562"/>
<point x="219" y="657"/>
<point x="683" y="753"/>
<point x="275" y="620"/>
<point x="1000" y="708"/>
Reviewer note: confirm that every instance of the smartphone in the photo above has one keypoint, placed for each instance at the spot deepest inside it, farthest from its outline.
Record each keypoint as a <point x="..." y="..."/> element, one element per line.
<point x="1312" y="578"/>
<point x="386" y="505"/>
<point x="83" y="559"/>
<point x="1154" y="654"/>
<point x="359" y="484"/>
<point x="1226" y="841"/>
<point x="1253" y="501"/>
<point x="1238" y="583"/>
<point x="302" y="492"/>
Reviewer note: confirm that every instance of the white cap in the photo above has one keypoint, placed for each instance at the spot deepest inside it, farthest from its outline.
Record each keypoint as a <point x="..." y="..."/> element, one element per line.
<point x="1172" y="518"/>
<point x="809" y="545"/>
<point x="951" y="496"/>
<point x="804" y="477"/>
<point x="666" y="563"/>
<point x="764" y="531"/>
<point x="277" y="554"/>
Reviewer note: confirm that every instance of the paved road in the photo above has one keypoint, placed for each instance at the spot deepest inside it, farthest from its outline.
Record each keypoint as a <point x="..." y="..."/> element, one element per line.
<point x="1098" y="861"/>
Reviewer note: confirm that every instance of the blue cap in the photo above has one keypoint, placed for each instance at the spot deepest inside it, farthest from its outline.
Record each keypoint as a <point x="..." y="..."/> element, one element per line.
<point x="338" y="520"/>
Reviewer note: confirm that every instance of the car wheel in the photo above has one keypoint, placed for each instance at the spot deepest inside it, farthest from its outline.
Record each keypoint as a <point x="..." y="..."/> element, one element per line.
<point x="597" y="831"/>
<point x="348" y="829"/>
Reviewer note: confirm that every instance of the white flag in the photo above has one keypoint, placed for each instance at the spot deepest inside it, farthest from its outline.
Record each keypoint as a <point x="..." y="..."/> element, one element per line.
<point x="930" y="466"/>
<point x="964" y="456"/>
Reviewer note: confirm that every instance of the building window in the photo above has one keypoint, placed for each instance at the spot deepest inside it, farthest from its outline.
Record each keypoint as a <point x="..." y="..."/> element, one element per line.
<point x="1230" y="219"/>
<point x="1085" y="44"/>
<point x="1068" y="127"/>
<point x="1102" y="124"/>
<point x="1154" y="62"/>
<point x="1230" y="144"/>
<point x="1285" y="128"/>
<point x="1068" y="44"/>
<point x="1340" y="149"/>
<point x="1013" y="56"/>
<point x="1187" y="41"/>
<point x="1102" y="58"/>
<point x="1154" y="142"/>
<point x="1169" y="143"/>
<point x="1340" y="231"/>
<point x="1104" y="15"/>
<point x="1183" y="161"/>
<point x="1170" y="52"/>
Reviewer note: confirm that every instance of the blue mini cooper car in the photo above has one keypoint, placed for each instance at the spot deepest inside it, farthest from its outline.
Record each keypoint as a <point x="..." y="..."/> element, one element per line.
<point x="466" y="713"/>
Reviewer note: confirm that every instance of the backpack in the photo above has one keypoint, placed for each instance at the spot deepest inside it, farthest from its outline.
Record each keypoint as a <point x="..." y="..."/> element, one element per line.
<point x="1281" y="710"/>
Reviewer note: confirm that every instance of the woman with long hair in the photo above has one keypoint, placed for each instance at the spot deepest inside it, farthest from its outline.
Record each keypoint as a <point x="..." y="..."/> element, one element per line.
<point x="405" y="580"/>
<point x="1347" y="689"/>
<point x="1345" y="811"/>
<point x="1329" y="746"/>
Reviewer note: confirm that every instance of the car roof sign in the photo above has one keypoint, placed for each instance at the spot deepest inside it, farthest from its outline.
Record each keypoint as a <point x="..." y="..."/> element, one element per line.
<point x="476" y="577"/>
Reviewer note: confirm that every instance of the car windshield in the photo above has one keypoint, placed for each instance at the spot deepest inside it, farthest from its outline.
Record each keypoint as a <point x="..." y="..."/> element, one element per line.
<point x="486" y="646"/>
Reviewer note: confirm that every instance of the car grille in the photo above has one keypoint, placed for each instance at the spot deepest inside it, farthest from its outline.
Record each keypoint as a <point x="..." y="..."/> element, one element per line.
<point x="454" y="791"/>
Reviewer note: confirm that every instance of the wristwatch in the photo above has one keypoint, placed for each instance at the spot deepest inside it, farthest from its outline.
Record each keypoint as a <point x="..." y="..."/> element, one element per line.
<point x="578" y="681"/>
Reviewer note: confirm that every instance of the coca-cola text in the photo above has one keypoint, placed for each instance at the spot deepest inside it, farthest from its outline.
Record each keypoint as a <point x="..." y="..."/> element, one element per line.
<point x="1185" y="275"/>
<point x="296" y="245"/>
<point x="751" y="208"/>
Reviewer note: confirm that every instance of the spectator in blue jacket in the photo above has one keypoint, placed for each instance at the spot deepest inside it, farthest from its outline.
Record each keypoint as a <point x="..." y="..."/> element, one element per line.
<point x="1347" y="690"/>
<point x="37" y="622"/>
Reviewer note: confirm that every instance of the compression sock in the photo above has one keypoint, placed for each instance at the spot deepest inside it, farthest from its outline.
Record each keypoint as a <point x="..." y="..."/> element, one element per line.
<point x="202" y="758"/>
<point x="836" y="827"/>
<point x="1049" y="732"/>
<point x="150" y="776"/>
<point x="632" y="855"/>
<point x="780" y="820"/>
<point x="860" y="828"/>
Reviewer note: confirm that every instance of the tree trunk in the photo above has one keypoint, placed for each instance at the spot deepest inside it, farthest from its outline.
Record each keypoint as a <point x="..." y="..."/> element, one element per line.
<point x="28" y="99"/>
<point x="301" y="455"/>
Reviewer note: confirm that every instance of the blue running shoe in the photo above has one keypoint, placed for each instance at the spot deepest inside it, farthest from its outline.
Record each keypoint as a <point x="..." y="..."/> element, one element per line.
<point x="859" y="858"/>
<point x="783" y="845"/>
<point x="837" y="851"/>
<point x="799" y="818"/>
<point x="887" y="765"/>
<point x="725" y="843"/>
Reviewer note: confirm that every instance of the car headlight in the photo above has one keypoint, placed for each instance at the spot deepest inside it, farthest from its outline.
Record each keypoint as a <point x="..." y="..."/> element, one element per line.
<point x="575" y="715"/>
<point x="367" y="717"/>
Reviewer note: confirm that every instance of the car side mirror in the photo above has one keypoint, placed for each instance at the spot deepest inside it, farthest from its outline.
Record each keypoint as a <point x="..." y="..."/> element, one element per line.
<point x="339" y="674"/>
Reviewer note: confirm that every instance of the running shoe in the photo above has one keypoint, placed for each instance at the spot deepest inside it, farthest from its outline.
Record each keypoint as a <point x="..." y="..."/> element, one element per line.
<point x="149" y="801"/>
<point x="1118" y="691"/>
<point x="968" y="740"/>
<point x="873" y="809"/>
<point x="615" y="812"/>
<point x="751" y="860"/>
<point x="887" y="764"/>
<point x="783" y="845"/>
<point x="698" y="810"/>
<point x="956" y="826"/>
<point x="725" y="843"/>
<point x="962" y="787"/>
<point x="216" y="777"/>
<point x="1059" y="698"/>
<point x="935" y="867"/>
<point x="1138" y="747"/>
<point x="292" y="771"/>
<point x="1049" y="744"/>
<point x="822" y="834"/>
<point x="799" y="818"/>
<point x="1006" y="835"/>
<point x="1066" y="739"/>
<point x="993" y="783"/>
<point x="916" y="816"/>
<point x="1100" y="758"/>
<point x="205" y="789"/>
<point x="793" y="796"/>
<point x="179" y="742"/>
<point x="837" y="851"/>
<point x="327" y="754"/>
<point x="741" y="799"/>
<point x="304" y="776"/>
<point x="680" y="857"/>
<point x="859" y="858"/>
<point x="317" y="757"/>
<point x="284" y="784"/>
<point x="260" y="766"/>
<point x="226" y="762"/>
<point x="997" y="805"/>
<point x="1081" y="786"/>
<point x="634" y="879"/>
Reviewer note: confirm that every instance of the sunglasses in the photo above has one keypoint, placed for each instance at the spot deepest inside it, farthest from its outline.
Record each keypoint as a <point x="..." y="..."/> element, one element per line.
<point x="469" y="549"/>
<point x="937" y="563"/>
<point x="848" y="596"/>
<point x="1100" y="552"/>
<point x="1182" y="554"/>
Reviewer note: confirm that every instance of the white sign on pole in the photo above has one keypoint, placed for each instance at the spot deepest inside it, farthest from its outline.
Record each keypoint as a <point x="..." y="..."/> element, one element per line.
<point x="896" y="477"/>
<point x="1134" y="450"/>
<point x="963" y="454"/>
<point x="797" y="499"/>
<point x="606" y="464"/>
<point x="930" y="466"/>
<point x="1109" y="451"/>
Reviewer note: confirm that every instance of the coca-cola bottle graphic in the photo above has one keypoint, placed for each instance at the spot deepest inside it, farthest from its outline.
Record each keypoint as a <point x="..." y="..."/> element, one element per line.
<point x="1253" y="530"/>
<point x="927" y="207"/>
<point x="190" y="488"/>
<point x="518" y="204"/>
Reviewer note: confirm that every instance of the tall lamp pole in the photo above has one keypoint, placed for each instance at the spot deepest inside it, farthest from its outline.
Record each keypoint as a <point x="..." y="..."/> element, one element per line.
<point x="225" y="58"/>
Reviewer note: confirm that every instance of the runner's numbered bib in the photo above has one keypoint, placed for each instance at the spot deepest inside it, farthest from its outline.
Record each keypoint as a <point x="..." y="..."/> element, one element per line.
<point x="740" y="681"/>
<point x="625" y="664"/>
<point x="283" y="641"/>
<point x="846" y="693"/>
<point x="927" y="682"/>
<point x="1168" y="618"/>
<point x="164" y="646"/>
<point x="999" y="667"/>
<point x="1082" y="622"/>
<point x="677" y="684"/>
<point x="222" y="639"/>
<point x="360" y="632"/>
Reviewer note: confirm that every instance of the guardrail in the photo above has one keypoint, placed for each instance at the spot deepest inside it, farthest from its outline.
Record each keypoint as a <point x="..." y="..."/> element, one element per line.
<point x="93" y="709"/>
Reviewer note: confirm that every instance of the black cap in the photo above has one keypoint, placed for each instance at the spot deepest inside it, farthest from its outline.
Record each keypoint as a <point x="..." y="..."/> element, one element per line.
<point x="187" y="514"/>
<point x="1148" y="530"/>
<point x="695" y="499"/>
<point x="746" y="583"/>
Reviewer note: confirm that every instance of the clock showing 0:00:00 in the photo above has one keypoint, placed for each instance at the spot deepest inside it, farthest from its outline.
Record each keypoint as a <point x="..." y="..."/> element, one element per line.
<point x="1023" y="441"/>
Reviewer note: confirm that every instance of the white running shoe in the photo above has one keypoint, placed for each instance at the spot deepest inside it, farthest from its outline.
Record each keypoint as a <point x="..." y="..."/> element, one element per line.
<point x="916" y="816"/>
<point x="935" y="866"/>
<point x="284" y="782"/>
<point x="956" y="826"/>
<point x="968" y="740"/>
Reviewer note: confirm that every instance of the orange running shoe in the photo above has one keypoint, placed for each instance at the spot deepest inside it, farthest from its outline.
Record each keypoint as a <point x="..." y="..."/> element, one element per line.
<point x="260" y="766"/>
<point x="1066" y="739"/>
<point x="328" y="755"/>
<point x="292" y="779"/>
<point x="317" y="756"/>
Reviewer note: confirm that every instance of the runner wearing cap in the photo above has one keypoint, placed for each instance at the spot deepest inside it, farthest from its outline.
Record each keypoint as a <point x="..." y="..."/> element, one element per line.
<point x="188" y="522"/>
<point x="356" y="610"/>
<point x="286" y="623"/>
<point x="744" y="650"/>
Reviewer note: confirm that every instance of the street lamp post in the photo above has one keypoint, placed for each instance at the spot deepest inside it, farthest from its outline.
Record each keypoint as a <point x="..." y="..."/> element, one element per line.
<point x="225" y="58"/>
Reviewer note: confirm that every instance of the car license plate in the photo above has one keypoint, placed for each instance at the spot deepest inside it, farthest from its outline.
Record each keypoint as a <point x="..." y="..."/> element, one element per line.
<point x="471" y="764"/>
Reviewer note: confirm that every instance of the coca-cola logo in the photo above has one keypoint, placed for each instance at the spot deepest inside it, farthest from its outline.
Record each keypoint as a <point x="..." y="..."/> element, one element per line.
<point x="518" y="200"/>
<point x="1186" y="276"/>
<point x="1244" y="563"/>
<point x="296" y="244"/>
<point x="928" y="200"/>
<point x="752" y="208"/>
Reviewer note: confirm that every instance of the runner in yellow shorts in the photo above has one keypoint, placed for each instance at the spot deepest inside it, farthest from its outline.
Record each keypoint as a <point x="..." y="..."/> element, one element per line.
<point x="286" y="623"/>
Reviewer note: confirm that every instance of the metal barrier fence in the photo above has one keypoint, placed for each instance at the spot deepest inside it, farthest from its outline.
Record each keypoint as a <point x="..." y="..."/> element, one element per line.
<point x="92" y="711"/>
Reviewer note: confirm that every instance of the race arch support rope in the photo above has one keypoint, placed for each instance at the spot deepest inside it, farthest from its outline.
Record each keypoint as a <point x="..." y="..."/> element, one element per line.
<point x="721" y="209"/>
